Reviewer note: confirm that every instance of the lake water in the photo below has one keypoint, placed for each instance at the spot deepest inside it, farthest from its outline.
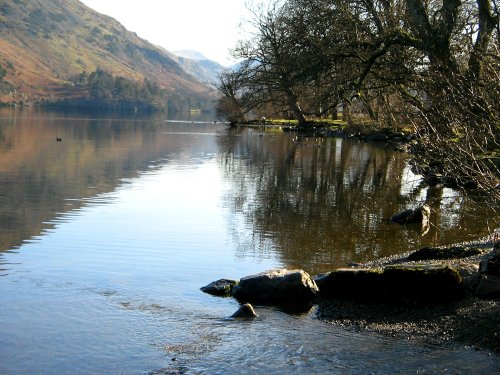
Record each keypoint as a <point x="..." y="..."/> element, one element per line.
<point x="107" y="236"/>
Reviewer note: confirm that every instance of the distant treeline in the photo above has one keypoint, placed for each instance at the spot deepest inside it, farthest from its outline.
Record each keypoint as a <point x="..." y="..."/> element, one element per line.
<point x="106" y="92"/>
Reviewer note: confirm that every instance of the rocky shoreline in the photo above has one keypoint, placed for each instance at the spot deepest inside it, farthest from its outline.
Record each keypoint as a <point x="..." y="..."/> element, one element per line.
<point x="470" y="318"/>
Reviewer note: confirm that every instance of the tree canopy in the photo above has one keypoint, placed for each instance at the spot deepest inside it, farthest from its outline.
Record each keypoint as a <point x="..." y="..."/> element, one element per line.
<point x="433" y="65"/>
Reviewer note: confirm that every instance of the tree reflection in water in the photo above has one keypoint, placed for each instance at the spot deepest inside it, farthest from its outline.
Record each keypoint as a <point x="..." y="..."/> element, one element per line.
<point x="317" y="203"/>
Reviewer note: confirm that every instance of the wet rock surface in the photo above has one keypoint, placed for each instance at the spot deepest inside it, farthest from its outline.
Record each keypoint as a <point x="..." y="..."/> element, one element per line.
<point x="220" y="288"/>
<point x="245" y="311"/>
<point x="276" y="287"/>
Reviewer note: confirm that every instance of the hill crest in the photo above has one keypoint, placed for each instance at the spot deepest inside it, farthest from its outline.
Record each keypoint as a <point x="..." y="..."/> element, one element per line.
<point x="45" y="45"/>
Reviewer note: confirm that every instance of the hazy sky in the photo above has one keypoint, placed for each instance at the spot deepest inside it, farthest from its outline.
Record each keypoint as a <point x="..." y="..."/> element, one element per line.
<point x="207" y="26"/>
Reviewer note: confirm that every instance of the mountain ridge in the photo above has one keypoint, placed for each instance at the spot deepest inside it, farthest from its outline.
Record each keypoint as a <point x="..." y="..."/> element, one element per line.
<point x="45" y="46"/>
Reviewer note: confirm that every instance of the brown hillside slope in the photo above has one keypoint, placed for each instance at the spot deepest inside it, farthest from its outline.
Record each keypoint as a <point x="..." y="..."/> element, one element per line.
<point x="46" y="44"/>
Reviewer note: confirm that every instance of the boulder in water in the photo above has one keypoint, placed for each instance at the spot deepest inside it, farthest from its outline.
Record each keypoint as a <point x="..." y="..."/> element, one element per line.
<point x="279" y="287"/>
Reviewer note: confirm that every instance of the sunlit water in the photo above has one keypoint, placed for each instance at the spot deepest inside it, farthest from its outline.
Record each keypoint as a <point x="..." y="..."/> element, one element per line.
<point x="108" y="235"/>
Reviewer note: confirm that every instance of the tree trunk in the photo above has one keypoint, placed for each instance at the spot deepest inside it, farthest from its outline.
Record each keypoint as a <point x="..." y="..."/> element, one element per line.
<point x="335" y="113"/>
<point x="346" y="111"/>
<point x="295" y="108"/>
<point x="487" y="23"/>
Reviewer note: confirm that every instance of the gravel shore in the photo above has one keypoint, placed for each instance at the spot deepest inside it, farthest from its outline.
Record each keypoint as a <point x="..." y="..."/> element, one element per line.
<point x="467" y="321"/>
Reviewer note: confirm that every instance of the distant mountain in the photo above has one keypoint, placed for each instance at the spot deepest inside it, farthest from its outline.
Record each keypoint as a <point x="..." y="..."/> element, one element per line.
<point x="189" y="54"/>
<point x="199" y="66"/>
<point x="49" y="48"/>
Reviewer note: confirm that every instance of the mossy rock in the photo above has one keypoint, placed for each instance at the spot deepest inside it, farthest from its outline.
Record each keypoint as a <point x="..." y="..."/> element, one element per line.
<point x="220" y="288"/>
<point x="422" y="282"/>
<point x="393" y="284"/>
<point x="456" y="252"/>
<point x="351" y="283"/>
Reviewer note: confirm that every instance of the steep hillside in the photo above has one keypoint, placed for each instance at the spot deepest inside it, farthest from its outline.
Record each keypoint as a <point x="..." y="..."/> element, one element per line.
<point x="47" y="45"/>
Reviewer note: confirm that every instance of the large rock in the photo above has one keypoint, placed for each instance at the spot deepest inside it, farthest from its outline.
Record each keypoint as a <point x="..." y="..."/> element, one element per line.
<point x="491" y="265"/>
<point x="279" y="287"/>
<point x="398" y="283"/>
<point x="489" y="286"/>
<point x="422" y="282"/>
<point x="351" y="283"/>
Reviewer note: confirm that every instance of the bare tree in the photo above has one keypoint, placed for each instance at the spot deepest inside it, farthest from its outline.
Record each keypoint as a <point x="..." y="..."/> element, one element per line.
<point x="432" y="64"/>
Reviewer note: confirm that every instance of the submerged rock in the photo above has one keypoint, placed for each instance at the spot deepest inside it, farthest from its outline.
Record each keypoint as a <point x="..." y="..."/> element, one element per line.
<point x="276" y="287"/>
<point x="221" y="288"/>
<point x="413" y="216"/>
<point x="245" y="311"/>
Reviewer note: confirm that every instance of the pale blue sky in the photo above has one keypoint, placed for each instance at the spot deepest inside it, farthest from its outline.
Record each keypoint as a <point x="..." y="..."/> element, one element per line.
<point x="207" y="26"/>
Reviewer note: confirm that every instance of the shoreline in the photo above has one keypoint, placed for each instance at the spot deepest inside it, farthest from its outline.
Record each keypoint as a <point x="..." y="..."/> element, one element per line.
<point x="468" y="321"/>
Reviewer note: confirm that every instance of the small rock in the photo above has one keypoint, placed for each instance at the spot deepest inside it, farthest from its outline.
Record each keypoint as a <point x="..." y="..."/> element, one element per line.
<point x="245" y="311"/>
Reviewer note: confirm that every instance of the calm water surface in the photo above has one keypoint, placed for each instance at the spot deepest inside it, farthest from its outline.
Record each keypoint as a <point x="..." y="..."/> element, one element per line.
<point x="107" y="236"/>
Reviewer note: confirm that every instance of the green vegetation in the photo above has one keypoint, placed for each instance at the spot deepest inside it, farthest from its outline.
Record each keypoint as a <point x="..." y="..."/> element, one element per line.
<point x="430" y="65"/>
<point x="5" y="87"/>
<point x="109" y="92"/>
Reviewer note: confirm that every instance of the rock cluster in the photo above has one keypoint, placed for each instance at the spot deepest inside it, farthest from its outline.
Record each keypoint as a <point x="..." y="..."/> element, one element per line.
<point x="278" y="287"/>
<point x="396" y="283"/>
<point x="432" y="279"/>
